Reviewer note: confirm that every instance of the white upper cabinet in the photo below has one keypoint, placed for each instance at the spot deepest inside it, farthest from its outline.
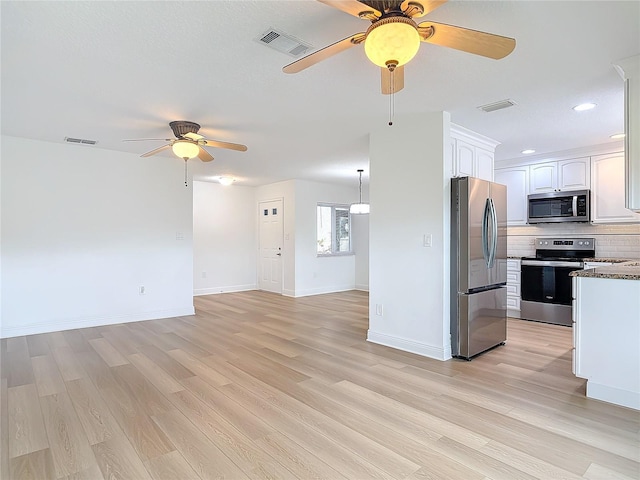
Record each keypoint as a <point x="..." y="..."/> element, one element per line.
<point x="465" y="155"/>
<point x="607" y="190"/>
<point x="574" y="174"/>
<point x="517" y="181"/>
<point x="560" y="176"/>
<point x="629" y="70"/>
<point x="484" y="162"/>
<point x="472" y="154"/>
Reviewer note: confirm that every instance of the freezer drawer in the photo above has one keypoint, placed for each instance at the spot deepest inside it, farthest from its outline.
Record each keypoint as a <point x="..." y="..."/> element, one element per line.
<point x="482" y="322"/>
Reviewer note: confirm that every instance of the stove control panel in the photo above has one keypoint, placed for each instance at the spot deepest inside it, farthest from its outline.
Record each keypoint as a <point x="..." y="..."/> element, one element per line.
<point x="565" y="243"/>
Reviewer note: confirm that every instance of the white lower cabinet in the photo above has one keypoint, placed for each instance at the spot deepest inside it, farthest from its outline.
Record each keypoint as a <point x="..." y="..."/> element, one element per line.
<point x="513" y="287"/>
<point x="606" y="332"/>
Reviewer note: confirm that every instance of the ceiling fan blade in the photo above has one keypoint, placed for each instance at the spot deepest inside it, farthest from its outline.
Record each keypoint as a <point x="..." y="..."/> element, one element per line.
<point x="230" y="146"/>
<point x="392" y="82"/>
<point x="428" y="6"/>
<point x="148" y="139"/>
<point x="156" y="150"/>
<point x="352" y="7"/>
<point x="204" y="155"/>
<point x="324" y="53"/>
<point x="193" y="136"/>
<point x="471" y="41"/>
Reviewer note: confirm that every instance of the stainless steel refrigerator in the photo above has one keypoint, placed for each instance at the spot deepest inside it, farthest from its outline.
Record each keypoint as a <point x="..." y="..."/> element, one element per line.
<point x="478" y="266"/>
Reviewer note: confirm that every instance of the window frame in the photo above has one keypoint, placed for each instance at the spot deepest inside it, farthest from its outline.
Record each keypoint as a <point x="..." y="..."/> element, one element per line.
<point x="333" y="252"/>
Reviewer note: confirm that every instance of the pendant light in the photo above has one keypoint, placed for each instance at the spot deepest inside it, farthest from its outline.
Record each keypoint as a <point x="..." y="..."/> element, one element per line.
<point x="359" y="208"/>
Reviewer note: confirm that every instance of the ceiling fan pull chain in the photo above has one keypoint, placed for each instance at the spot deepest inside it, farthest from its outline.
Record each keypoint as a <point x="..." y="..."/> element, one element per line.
<point x="391" y="97"/>
<point x="185" y="174"/>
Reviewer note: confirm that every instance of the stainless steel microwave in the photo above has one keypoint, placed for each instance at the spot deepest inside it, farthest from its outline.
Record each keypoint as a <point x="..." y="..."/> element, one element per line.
<point x="556" y="207"/>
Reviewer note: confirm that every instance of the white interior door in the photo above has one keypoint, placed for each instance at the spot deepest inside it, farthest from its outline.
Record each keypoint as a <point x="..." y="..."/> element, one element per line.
<point x="270" y="264"/>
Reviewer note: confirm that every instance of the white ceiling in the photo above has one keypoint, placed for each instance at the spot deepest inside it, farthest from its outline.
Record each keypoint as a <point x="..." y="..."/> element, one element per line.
<point x="109" y="71"/>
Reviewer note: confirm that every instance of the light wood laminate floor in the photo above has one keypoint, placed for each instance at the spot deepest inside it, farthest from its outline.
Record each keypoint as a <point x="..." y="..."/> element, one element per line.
<point x="256" y="385"/>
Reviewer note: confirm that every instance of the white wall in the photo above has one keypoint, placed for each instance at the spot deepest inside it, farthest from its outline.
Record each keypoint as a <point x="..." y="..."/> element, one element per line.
<point x="315" y="274"/>
<point x="360" y="229"/>
<point x="409" y="192"/>
<point x="83" y="229"/>
<point x="303" y="272"/>
<point x="224" y="238"/>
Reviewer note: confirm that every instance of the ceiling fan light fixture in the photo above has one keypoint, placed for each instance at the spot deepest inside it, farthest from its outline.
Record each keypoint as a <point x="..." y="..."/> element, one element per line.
<point x="185" y="149"/>
<point x="392" y="41"/>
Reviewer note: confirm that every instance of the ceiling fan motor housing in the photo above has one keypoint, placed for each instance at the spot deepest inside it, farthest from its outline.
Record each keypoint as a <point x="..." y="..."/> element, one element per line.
<point x="182" y="127"/>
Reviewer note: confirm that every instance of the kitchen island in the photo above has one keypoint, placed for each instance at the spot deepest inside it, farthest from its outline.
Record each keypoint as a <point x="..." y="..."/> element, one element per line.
<point x="606" y="332"/>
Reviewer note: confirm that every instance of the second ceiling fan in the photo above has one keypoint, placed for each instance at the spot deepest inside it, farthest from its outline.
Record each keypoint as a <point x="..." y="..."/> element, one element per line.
<point x="393" y="38"/>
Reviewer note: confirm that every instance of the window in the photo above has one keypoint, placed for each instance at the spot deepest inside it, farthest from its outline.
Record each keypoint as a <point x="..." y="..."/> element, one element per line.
<point x="333" y="233"/>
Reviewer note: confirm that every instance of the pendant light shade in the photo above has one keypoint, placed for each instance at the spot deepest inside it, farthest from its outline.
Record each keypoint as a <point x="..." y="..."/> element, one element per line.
<point x="359" y="208"/>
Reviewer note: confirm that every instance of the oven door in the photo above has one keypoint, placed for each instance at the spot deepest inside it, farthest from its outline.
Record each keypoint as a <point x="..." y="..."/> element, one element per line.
<point x="547" y="282"/>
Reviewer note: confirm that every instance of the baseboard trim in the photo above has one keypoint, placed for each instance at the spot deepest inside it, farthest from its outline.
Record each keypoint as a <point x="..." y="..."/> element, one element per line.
<point x="57" y="325"/>
<point x="362" y="287"/>
<point x="229" y="289"/>
<point x="411" y="346"/>
<point x="322" y="290"/>
<point x="613" y="395"/>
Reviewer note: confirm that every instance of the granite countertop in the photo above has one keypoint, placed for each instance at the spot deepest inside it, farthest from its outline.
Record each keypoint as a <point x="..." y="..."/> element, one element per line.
<point x="610" y="260"/>
<point x="629" y="270"/>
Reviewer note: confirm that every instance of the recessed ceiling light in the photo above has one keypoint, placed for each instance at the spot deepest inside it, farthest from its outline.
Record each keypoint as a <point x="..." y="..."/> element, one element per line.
<point x="529" y="150"/>
<point x="584" y="106"/>
<point x="617" y="135"/>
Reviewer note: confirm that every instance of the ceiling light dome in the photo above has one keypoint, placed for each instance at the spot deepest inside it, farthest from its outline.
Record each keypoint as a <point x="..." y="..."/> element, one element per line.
<point x="185" y="149"/>
<point x="226" y="181"/>
<point x="392" y="41"/>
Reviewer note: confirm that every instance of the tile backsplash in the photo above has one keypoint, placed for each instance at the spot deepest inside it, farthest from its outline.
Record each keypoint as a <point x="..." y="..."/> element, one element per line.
<point x="612" y="241"/>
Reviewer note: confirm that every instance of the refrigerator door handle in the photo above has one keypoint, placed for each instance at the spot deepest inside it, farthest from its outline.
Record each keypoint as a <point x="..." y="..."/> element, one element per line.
<point x="494" y="233"/>
<point x="485" y="232"/>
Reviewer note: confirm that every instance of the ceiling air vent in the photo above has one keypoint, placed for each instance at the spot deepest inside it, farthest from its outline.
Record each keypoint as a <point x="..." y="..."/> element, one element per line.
<point x="81" y="141"/>
<point x="283" y="43"/>
<point x="492" y="107"/>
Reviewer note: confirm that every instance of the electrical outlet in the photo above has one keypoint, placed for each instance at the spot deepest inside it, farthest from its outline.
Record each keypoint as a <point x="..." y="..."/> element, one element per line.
<point x="204" y="274"/>
<point x="379" y="309"/>
<point x="141" y="290"/>
<point x="428" y="240"/>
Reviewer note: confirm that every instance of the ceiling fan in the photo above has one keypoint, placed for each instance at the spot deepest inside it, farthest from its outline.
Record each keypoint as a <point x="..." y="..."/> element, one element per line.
<point x="393" y="38"/>
<point x="188" y="143"/>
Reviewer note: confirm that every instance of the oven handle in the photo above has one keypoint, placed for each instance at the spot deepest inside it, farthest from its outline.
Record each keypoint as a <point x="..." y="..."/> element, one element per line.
<point x="550" y="263"/>
<point x="574" y="205"/>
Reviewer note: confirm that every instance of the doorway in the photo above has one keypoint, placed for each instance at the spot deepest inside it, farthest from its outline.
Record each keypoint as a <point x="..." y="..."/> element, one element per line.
<point x="270" y="239"/>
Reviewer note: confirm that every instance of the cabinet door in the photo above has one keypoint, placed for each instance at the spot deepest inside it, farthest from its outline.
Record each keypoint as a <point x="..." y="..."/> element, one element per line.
<point x="543" y="177"/>
<point x="517" y="181"/>
<point x="465" y="159"/>
<point x="607" y="190"/>
<point x="574" y="174"/>
<point x="484" y="164"/>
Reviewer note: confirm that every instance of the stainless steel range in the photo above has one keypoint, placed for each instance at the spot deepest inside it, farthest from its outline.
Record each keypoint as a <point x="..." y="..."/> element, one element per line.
<point x="545" y="280"/>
